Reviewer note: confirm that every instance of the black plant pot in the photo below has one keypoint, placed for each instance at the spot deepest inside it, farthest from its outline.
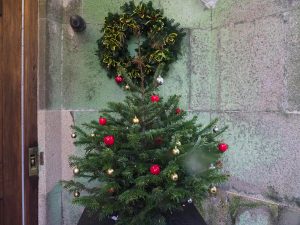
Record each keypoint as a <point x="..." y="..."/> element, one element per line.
<point x="189" y="216"/>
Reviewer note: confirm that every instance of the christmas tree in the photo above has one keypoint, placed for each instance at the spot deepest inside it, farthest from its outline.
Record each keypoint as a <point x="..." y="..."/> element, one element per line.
<point x="136" y="155"/>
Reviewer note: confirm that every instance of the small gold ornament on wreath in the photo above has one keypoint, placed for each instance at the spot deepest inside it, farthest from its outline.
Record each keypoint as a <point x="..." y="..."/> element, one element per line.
<point x="127" y="87"/>
<point x="158" y="42"/>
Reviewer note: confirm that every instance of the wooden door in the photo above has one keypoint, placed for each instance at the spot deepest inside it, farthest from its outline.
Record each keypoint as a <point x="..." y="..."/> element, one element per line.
<point x="18" y="123"/>
<point x="10" y="57"/>
<point x="1" y="128"/>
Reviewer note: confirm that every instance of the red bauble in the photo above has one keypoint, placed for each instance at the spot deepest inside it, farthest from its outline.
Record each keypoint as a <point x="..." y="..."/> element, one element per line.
<point x="109" y="140"/>
<point x="155" y="169"/>
<point x="159" y="141"/>
<point x="222" y="147"/>
<point x="119" y="79"/>
<point x="178" y="111"/>
<point x="102" y="121"/>
<point x="154" y="98"/>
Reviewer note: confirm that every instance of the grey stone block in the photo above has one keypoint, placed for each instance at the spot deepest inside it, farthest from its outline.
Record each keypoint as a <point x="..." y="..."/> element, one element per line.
<point x="258" y="216"/>
<point x="292" y="65"/>
<point x="193" y="13"/>
<point x="54" y="215"/>
<point x="42" y="9"/>
<point x="54" y="10"/>
<point x="263" y="151"/>
<point x="289" y="216"/>
<point x="85" y="83"/>
<point x="177" y="81"/>
<point x="42" y="63"/>
<point x="203" y="79"/>
<point x="241" y="11"/>
<point x="95" y="11"/>
<point x="251" y="60"/>
<point x="71" y="7"/>
<point x="53" y="64"/>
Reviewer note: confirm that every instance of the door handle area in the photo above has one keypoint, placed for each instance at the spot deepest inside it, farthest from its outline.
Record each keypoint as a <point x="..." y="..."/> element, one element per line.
<point x="33" y="161"/>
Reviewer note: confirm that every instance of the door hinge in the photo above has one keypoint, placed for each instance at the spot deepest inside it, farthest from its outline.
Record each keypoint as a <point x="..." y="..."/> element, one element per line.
<point x="33" y="161"/>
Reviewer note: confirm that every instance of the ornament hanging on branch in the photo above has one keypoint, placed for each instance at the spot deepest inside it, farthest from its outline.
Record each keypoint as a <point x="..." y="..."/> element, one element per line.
<point x="158" y="141"/>
<point x="127" y="87"/>
<point x="215" y="129"/>
<point x="213" y="190"/>
<point x="73" y="135"/>
<point x="155" y="98"/>
<point x="175" y="151"/>
<point x="76" y="171"/>
<point x="76" y="194"/>
<point x="135" y="120"/>
<point x="110" y="172"/>
<point x="93" y="135"/>
<point x="212" y="166"/>
<point x="160" y="80"/>
<point x="119" y="79"/>
<point x="178" y="111"/>
<point x="109" y="140"/>
<point x="174" y="177"/>
<point x="102" y="121"/>
<point x="155" y="169"/>
<point x="222" y="147"/>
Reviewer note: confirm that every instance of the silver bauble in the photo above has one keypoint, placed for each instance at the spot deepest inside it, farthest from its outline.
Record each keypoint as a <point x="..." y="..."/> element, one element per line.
<point x="160" y="80"/>
<point x="215" y="129"/>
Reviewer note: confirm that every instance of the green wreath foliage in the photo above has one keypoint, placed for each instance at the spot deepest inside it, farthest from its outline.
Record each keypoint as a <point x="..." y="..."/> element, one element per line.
<point x="158" y="41"/>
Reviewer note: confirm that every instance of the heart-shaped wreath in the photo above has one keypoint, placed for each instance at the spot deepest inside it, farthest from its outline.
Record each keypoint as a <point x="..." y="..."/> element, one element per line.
<point x="158" y="42"/>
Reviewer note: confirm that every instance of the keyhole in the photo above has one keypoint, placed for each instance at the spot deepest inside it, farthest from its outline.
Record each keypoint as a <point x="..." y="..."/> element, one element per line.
<point x="32" y="161"/>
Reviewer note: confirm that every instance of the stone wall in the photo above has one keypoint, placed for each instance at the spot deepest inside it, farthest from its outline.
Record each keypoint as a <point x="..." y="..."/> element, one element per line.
<point x="240" y="62"/>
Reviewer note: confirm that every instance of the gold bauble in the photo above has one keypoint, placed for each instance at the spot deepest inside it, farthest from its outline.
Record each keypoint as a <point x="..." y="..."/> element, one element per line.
<point x="76" y="194"/>
<point x="93" y="135"/>
<point x="135" y="120"/>
<point x="213" y="190"/>
<point x="175" y="151"/>
<point x="174" y="176"/>
<point x="73" y="135"/>
<point x="76" y="170"/>
<point x="110" y="171"/>
<point x="127" y="87"/>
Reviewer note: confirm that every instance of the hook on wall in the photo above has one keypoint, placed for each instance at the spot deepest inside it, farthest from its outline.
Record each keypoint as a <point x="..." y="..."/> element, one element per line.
<point x="77" y="23"/>
<point x="210" y="3"/>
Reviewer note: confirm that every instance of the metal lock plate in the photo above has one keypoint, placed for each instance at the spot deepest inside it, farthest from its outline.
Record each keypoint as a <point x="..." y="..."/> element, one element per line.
<point x="33" y="161"/>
